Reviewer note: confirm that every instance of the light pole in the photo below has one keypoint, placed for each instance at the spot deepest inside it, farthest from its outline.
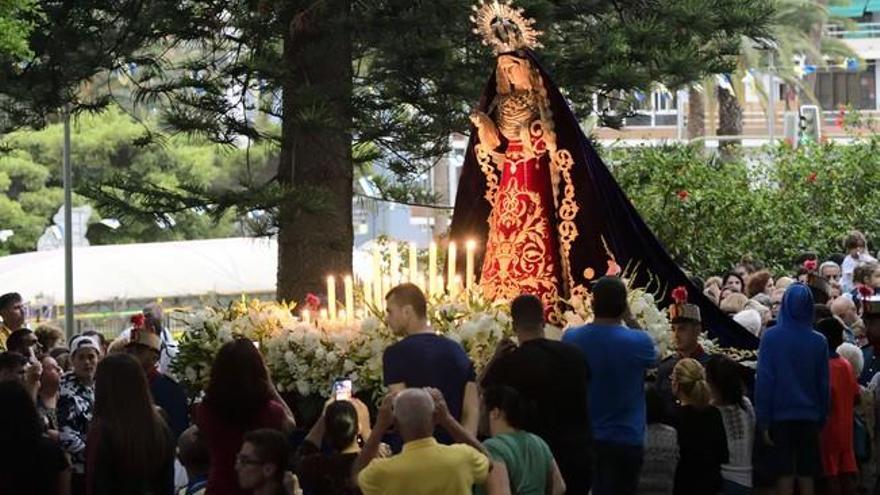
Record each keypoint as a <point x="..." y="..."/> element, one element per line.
<point x="771" y="123"/>
<point x="68" y="229"/>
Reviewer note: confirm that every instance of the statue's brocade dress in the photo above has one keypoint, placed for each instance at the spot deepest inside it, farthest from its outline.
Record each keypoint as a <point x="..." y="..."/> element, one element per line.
<point x="522" y="252"/>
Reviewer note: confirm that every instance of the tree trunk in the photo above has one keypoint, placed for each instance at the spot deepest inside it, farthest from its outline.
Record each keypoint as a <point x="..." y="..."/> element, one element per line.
<point x="730" y="117"/>
<point x="696" y="126"/>
<point x="315" y="237"/>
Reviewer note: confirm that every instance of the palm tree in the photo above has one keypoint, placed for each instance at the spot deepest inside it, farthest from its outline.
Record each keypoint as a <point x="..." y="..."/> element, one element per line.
<point x="797" y="30"/>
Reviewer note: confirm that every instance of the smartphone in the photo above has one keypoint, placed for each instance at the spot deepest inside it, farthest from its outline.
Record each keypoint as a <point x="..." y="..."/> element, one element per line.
<point x="342" y="389"/>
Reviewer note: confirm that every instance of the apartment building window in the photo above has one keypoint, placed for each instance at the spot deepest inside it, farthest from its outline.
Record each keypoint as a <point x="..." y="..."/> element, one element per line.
<point x="838" y="87"/>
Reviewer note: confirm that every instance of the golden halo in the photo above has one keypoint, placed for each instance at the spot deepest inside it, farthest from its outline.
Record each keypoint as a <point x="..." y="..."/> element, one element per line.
<point x="503" y="26"/>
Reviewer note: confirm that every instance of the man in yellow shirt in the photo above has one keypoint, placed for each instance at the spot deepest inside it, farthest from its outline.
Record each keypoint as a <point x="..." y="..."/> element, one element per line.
<point x="12" y="312"/>
<point x="425" y="466"/>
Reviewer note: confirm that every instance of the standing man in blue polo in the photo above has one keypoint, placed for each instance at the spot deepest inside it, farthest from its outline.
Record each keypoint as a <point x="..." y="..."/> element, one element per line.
<point x="424" y="359"/>
<point x="617" y="358"/>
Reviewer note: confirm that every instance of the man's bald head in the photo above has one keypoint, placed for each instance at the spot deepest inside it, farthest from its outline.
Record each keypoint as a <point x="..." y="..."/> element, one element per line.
<point x="845" y="309"/>
<point x="414" y="414"/>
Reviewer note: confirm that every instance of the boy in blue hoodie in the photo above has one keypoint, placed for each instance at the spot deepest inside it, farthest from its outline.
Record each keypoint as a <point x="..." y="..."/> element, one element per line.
<point x="792" y="392"/>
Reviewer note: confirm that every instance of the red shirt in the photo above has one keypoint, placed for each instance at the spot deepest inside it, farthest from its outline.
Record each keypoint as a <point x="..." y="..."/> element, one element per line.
<point x="224" y="442"/>
<point x="837" y="435"/>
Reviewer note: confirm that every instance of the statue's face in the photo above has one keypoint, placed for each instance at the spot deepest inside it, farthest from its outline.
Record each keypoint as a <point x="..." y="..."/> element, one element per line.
<point x="513" y="74"/>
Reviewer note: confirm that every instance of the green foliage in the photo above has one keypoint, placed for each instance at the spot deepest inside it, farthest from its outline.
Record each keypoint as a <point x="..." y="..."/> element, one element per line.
<point x="772" y="207"/>
<point x="16" y="24"/>
<point x="103" y="150"/>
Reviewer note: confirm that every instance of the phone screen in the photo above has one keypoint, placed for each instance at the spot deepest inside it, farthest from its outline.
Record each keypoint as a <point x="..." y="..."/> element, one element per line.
<point x="342" y="389"/>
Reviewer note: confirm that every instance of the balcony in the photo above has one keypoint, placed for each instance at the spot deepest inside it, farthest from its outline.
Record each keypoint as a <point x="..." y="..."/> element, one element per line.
<point x="863" y="38"/>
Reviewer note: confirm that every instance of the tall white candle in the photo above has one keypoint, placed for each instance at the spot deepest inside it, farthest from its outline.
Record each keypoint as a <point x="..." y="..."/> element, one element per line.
<point x="450" y="275"/>
<point x="377" y="277"/>
<point x="306" y="317"/>
<point x="395" y="264"/>
<point x="470" y="247"/>
<point x="368" y="293"/>
<point x="432" y="268"/>
<point x="413" y="264"/>
<point x="349" y="298"/>
<point x="386" y="288"/>
<point x="331" y="297"/>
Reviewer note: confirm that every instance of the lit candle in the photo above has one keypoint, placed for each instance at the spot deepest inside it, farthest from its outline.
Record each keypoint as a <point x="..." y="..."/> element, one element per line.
<point x="455" y="286"/>
<point x="432" y="268"/>
<point x="331" y="296"/>
<point x="349" y="297"/>
<point x="323" y="314"/>
<point x="470" y="247"/>
<point x="368" y="293"/>
<point x="306" y="317"/>
<point x="450" y="275"/>
<point x="413" y="264"/>
<point x="395" y="264"/>
<point x="377" y="276"/>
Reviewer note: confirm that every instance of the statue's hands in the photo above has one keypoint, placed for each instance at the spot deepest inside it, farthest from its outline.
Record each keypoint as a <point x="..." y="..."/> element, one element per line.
<point x="486" y="130"/>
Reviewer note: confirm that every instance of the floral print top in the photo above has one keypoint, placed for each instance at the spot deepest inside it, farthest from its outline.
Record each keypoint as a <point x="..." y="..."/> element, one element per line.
<point x="75" y="405"/>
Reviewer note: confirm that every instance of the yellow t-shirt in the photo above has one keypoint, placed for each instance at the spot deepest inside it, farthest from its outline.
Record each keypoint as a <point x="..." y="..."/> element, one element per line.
<point x="5" y="332"/>
<point x="426" y="468"/>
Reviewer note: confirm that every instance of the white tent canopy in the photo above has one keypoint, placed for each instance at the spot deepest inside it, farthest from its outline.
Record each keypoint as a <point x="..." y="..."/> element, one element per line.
<point x="145" y="271"/>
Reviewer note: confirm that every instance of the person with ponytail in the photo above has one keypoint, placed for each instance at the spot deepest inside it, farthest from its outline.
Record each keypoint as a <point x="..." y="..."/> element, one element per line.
<point x="701" y="438"/>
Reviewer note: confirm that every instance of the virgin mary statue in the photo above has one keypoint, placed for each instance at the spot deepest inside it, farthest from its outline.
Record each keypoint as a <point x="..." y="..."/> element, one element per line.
<point x="535" y="192"/>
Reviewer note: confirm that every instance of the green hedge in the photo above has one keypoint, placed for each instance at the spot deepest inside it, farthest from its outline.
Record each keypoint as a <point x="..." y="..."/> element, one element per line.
<point x="771" y="204"/>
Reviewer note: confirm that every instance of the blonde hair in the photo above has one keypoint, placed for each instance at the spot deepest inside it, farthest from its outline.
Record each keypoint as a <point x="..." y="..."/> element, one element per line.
<point x="690" y="376"/>
<point x="716" y="281"/>
<point x="734" y="303"/>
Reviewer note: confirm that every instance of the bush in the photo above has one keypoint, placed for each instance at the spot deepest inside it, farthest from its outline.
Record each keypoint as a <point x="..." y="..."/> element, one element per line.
<point x="771" y="205"/>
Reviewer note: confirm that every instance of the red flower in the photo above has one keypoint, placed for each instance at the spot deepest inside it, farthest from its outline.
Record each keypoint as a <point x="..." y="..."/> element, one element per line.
<point x="680" y="294"/>
<point x="865" y="291"/>
<point x="811" y="265"/>
<point x="812" y="177"/>
<point x="313" y="302"/>
<point x="683" y="195"/>
<point x="613" y="269"/>
<point x="137" y="320"/>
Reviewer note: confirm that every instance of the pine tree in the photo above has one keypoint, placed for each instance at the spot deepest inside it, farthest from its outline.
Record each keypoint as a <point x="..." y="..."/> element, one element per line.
<point x="363" y="80"/>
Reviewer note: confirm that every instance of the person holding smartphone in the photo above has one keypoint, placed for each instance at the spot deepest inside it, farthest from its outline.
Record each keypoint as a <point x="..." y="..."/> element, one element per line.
<point x="341" y="428"/>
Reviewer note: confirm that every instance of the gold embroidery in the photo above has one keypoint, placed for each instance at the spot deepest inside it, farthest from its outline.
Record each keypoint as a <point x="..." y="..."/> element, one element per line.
<point x="567" y="209"/>
<point x="516" y="259"/>
<point x="484" y="158"/>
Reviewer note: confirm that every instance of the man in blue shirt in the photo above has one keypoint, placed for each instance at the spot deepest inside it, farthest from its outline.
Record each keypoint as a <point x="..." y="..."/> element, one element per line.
<point x="617" y="358"/>
<point x="425" y="359"/>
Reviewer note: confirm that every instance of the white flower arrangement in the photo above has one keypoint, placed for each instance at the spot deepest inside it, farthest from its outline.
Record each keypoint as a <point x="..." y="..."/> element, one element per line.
<point x="305" y="357"/>
<point x="642" y="307"/>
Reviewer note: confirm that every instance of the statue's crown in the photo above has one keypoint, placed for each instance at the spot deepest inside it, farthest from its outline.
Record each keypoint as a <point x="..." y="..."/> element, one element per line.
<point x="504" y="27"/>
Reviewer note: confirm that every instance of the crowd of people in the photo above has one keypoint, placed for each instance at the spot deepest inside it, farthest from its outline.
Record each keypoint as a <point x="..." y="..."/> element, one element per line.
<point x="598" y="412"/>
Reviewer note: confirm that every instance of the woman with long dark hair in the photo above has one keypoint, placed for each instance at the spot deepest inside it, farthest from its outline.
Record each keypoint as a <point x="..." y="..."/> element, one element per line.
<point x="240" y="397"/>
<point x="129" y="447"/>
<point x="30" y="463"/>
<point x="738" y="415"/>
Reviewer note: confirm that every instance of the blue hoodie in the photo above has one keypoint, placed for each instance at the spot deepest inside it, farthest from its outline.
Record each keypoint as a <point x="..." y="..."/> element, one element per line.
<point x="792" y="381"/>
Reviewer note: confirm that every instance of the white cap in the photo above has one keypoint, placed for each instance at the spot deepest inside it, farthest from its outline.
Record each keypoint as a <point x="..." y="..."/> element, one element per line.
<point x="83" y="342"/>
